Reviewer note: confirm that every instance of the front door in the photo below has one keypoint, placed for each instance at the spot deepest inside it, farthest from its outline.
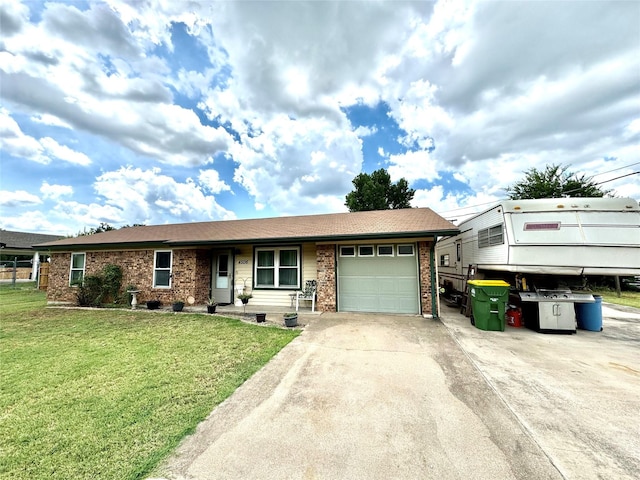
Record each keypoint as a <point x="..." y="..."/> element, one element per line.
<point x="222" y="276"/>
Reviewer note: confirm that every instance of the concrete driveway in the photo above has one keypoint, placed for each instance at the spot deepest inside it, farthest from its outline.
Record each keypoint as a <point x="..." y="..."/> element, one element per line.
<point x="577" y="395"/>
<point x="365" y="397"/>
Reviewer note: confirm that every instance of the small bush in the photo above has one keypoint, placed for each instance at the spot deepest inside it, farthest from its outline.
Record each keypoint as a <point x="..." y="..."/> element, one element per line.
<point x="111" y="283"/>
<point x="90" y="293"/>
<point x="99" y="289"/>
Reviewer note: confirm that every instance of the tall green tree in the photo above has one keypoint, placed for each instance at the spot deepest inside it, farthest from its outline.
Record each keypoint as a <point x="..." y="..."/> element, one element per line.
<point x="555" y="181"/>
<point x="376" y="192"/>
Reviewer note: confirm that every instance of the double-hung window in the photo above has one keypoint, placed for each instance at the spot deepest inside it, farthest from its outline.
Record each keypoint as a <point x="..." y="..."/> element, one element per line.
<point x="76" y="276"/>
<point x="277" y="267"/>
<point x="162" y="269"/>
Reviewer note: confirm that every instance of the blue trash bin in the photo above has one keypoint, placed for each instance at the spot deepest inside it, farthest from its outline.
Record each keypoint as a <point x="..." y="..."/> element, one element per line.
<point x="589" y="315"/>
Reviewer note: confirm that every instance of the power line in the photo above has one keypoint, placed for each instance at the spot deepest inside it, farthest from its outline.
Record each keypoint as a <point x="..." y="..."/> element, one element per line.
<point x="616" y="169"/>
<point x="604" y="181"/>
<point x="473" y="206"/>
<point x="616" y="178"/>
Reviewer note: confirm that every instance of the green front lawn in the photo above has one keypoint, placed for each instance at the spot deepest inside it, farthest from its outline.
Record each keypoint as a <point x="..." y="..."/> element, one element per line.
<point x="109" y="393"/>
<point x="630" y="299"/>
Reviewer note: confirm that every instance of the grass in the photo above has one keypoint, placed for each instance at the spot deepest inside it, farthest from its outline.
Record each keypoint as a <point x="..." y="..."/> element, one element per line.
<point x="629" y="299"/>
<point x="109" y="393"/>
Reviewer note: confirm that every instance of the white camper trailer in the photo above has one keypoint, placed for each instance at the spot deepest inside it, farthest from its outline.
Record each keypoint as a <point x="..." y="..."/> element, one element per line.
<point x="544" y="240"/>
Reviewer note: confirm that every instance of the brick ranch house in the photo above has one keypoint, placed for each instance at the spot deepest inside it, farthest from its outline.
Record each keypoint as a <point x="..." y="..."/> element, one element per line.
<point x="377" y="261"/>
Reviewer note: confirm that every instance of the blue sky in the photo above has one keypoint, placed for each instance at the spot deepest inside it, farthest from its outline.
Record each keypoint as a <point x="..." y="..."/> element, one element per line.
<point x="162" y="112"/>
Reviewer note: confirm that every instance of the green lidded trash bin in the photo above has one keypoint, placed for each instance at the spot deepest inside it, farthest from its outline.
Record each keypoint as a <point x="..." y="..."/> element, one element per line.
<point x="488" y="303"/>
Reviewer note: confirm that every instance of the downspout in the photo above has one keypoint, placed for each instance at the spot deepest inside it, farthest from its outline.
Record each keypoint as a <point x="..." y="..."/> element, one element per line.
<point x="434" y="285"/>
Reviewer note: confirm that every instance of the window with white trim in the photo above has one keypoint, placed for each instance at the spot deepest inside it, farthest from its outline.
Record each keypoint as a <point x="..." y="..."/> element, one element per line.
<point x="347" y="251"/>
<point x="277" y="267"/>
<point x="385" y="250"/>
<point x="76" y="275"/>
<point x="405" y="250"/>
<point x="162" y="263"/>
<point x="444" y="260"/>
<point x="365" y="251"/>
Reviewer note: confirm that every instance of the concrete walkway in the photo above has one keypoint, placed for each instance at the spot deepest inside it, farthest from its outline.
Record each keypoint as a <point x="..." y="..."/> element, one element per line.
<point x="364" y="397"/>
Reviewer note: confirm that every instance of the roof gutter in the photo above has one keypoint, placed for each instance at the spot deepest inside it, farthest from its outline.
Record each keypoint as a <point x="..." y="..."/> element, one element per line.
<point x="324" y="238"/>
<point x="243" y="241"/>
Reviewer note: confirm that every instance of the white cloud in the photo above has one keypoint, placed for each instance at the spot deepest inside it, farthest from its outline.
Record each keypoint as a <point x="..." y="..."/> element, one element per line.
<point x="147" y="196"/>
<point x="98" y="80"/>
<point x="453" y="207"/>
<point x="52" y="120"/>
<point x="16" y="143"/>
<point x="55" y="191"/>
<point x="292" y="163"/>
<point x="210" y="179"/>
<point x="18" y="198"/>
<point x="38" y="222"/>
<point x="63" y="152"/>
<point x="365" y="131"/>
<point x="88" y="215"/>
<point x="413" y="166"/>
<point x="14" y="16"/>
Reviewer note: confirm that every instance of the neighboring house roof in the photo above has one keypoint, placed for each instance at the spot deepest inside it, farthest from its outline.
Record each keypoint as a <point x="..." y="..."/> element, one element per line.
<point x="23" y="240"/>
<point x="410" y="222"/>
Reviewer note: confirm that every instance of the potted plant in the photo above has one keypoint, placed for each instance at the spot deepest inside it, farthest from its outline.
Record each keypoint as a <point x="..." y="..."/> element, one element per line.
<point x="178" y="305"/>
<point x="244" y="298"/>
<point x="153" y="304"/>
<point x="290" y="319"/>
<point x="211" y="305"/>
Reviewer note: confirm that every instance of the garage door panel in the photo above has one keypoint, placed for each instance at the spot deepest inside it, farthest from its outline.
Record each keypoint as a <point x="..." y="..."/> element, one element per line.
<point x="387" y="285"/>
<point x="378" y="284"/>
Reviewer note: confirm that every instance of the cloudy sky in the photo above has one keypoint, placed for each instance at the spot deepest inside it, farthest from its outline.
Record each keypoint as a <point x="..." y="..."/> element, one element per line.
<point x="127" y="111"/>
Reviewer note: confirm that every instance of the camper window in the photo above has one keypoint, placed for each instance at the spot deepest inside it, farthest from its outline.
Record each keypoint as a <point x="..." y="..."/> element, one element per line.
<point x="444" y="260"/>
<point x="490" y="236"/>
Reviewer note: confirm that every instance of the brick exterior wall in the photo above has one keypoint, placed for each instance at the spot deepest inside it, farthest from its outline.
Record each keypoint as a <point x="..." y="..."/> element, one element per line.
<point x="424" y="251"/>
<point x="191" y="274"/>
<point x="326" y="266"/>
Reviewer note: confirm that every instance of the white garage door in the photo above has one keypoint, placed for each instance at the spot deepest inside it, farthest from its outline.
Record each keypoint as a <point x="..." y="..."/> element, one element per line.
<point x="378" y="278"/>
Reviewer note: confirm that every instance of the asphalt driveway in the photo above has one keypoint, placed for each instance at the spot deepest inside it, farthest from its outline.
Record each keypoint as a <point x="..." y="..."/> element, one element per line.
<point x="364" y="397"/>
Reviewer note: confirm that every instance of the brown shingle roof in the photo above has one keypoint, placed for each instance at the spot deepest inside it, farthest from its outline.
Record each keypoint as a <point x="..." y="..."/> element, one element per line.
<point x="410" y="222"/>
<point x="24" y="240"/>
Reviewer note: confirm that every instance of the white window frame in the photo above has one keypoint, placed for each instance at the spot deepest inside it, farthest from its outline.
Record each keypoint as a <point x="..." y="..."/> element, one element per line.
<point x="373" y="251"/>
<point x="385" y="254"/>
<point x="444" y="260"/>
<point x="276" y="267"/>
<point x="71" y="269"/>
<point x="400" y="254"/>
<point x="162" y="269"/>
<point x="342" y="254"/>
